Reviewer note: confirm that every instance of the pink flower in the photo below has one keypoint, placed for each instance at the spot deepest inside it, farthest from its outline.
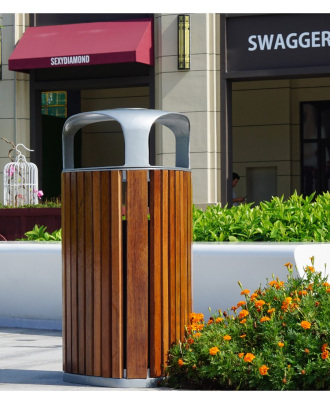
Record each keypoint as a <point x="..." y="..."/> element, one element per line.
<point x="11" y="170"/>
<point x="40" y="193"/>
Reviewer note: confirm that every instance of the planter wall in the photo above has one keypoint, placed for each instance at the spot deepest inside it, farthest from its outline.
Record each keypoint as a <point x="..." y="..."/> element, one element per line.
<point x="15" y="222"/>
<point x="31" y="277"/>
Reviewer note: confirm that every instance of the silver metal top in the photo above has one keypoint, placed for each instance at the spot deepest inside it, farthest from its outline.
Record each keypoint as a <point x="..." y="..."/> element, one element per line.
<point x="136" y="124"/>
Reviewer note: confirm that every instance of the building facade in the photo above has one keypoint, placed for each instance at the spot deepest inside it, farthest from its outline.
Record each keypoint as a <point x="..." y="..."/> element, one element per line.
<point x="256" y="91"/>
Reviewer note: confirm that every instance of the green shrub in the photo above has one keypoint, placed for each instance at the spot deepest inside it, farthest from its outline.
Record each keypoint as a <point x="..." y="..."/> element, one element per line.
<point x="38" y="233"/>
<point x="274" y="339"/>
<point x="294" y="220"/>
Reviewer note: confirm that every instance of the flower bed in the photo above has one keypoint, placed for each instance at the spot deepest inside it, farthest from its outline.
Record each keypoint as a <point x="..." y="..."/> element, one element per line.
<point x="275" y="338"/>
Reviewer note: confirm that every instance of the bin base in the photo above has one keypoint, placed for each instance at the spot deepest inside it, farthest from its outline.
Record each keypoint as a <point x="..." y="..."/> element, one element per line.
<point x="110" y="382"/>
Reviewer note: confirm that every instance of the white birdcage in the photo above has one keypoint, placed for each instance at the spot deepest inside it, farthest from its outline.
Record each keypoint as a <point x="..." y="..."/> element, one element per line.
<point x="20" y="180"/>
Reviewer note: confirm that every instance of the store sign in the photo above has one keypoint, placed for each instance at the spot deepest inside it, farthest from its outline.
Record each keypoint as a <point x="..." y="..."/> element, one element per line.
<point x="70" y="60"/>
<point x="271" y="42"/>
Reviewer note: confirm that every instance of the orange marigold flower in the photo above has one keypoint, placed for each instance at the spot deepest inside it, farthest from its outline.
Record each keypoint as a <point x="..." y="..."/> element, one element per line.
<point x="328" y="290"/>
<point x="259" y="303"/>
<point x="264" y="319"/>
<point x="306" y="351"/>
<point x="288" y="265"/>
<point x="243" y="321"/>
<point x="243" y="314"/>
<point x="317" y="303"/>
<point x="303" y="371"/>
<point x="227" y="337"/>
<point x="243" y="336"/>
<point x="253" y="296"/>
<point x="249" y="357"/>
<point x="213" y="351"/>
<point x="263" y="370"/>
<point x="324" y="346"/>
<point x="210" y="321"/>
<point x="305" y="324"/>
<point x="240" y="355"/>
<point x="270" y="311"/>
<point x="180" y="362"/>
<point x="195" y="318"/>
<point x="219" y="319"/>
<point x="241" y="303"/>
<point x="325" y="354"/>
<point x="326" y="284"/>
<point x="245" y="291"/>
<point x="310" y="269"/>
<point x="280" y="344"/>
<point x="302" y="292"/>
<point x="234" y="308"/>
<point x="190" y="341"/>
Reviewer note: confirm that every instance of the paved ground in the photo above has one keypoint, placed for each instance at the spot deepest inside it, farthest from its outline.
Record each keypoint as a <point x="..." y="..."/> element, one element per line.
<point x="32" y="360"/>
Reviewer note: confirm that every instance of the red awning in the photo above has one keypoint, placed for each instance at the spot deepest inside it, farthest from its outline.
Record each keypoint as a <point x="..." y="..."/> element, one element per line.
<point x="84" y="44"/>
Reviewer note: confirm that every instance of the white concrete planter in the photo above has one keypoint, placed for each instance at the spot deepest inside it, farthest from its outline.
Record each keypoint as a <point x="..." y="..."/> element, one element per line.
<point x="217" y="267"/>
<point x="31" y="285"/>
<point x="31" y="276"/>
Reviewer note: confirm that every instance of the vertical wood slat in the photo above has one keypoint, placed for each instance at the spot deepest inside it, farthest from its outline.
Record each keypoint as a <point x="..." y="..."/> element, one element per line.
<point x="165" y="270"/>
<point x="81" y="272"/>
<point x="117" y="335"/>
<point x="97" y="293"/>
<point x="89" y="281"/>
<point x="172" y="258"/>
<point x="105" y="275"/>
<point x="74" y="278"/>
<point x="155" y="273"/>
<point x="66" y="278"/>
<point x="137" y="274"/>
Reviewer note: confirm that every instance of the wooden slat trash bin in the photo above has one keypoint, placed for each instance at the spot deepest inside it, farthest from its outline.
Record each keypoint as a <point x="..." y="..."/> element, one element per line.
<point x="126" y="283"/>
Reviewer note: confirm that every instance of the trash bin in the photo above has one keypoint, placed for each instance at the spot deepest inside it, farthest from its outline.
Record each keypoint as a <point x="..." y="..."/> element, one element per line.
<point x="126" y="281"/>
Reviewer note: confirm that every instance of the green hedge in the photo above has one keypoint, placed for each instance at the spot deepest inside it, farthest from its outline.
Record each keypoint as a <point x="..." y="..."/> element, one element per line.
<point x="297" y="219"/>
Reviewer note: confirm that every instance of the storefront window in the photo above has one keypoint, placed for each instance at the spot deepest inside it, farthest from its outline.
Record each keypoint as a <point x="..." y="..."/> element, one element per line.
<point x="315" y="160"/>
<point x="54" y="103"/>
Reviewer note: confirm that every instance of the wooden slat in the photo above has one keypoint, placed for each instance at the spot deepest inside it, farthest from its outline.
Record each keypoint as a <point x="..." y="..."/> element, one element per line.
<point x="97" y="292"/>
<point x="172" y="258"/>
<point x="178" y="214"/>
<point x="155" y="273"/>
<point x="105" y="275"/>
<point x="81" y="271"/>
<point x="137" y="274"/>
<point x="66" y="278"/>
<point x="74" y="277"/>
<point x="165" y="270"/>
<point x="189" y="242"/>
<point x="117" y="346"/>
<point x="88" y="217"/>
<point x="184" y="279"/>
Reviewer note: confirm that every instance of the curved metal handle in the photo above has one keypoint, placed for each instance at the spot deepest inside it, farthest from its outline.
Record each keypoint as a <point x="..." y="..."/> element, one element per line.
<point x="136" y="124"/>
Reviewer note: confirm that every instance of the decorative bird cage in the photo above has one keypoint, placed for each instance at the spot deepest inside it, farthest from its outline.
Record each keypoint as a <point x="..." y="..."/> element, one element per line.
<point x="20" y="181"/>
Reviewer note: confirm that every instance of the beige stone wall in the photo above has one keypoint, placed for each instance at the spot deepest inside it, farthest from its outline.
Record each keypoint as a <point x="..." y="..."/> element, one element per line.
<point x="195" y="93"/>
<point x="14" y="93"/>
<point x="266" y="128"/>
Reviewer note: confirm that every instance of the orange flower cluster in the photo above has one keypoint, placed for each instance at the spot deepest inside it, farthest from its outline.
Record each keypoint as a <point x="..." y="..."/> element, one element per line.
<point x="280" y="344"/>
<point x="264" y="319"/>
<point x="243" y="314"/>
<point x="227" y="337"/>
<point x="249" y="357"/>
<point x="213" y="351"/>
<point x="245" y="291"/>
<point x="325" y="351"/>
<point x="263" y="370"/>
<point x="180" y="362"/>
<point x="259" y="303"/>
<point x="305" y="324"/>
<point x="196" y="318"/>
<point x="276" y="284"/>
